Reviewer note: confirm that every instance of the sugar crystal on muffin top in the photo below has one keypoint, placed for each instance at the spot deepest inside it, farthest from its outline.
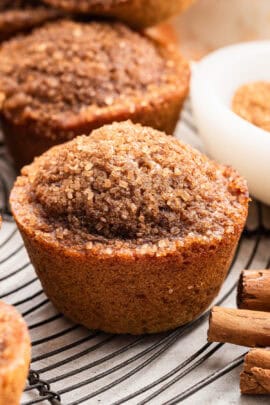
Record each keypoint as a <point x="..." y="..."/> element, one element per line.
<point x="132" y="183"/>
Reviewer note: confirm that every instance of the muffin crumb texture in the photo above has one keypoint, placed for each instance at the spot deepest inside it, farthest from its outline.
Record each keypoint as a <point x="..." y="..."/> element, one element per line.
<point x="128" y="185"/>
<point x="66" y="69"/>
<point x="252" y="102"/>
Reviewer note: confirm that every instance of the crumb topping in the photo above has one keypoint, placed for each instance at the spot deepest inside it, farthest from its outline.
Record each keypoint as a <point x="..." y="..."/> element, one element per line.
<point x="130" y="185"/>
<point x="65" y="69"/>
<point x="252" y="102"/>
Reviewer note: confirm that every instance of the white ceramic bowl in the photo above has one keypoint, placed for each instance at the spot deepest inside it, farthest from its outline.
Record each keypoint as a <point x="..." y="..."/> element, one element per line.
<point x="228" y="138"/>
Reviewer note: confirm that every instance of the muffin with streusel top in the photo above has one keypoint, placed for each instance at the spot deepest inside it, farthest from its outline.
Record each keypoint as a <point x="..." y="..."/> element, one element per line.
<point x="68" y="78"/>
<point x="15" y="350"/>
<point x="21" y="15"/>
<point x="137" y="13"/>
<point x="129" y="230"/>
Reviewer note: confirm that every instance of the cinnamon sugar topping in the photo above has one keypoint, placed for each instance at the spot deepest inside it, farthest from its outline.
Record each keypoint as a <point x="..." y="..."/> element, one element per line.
<point x="130" y="185"/>
<point x="252" y="102"/>
<point x="65" y="69"/>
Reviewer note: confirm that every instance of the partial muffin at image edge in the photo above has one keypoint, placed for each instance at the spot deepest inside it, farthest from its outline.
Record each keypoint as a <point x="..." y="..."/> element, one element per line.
<point x="136" y="13"/>
<point x="69" y="78"/>
<point x="129" y="230"/>
<point x="15" y="352"/>
<point x="20" y="16"/>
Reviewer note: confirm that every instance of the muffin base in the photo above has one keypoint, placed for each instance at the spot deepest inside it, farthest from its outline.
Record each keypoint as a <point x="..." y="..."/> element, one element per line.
<point x="25" y="143"/>
<point x="131" y="294"/>
<point x="136" y="13"/>
<point x="17" y="21"/>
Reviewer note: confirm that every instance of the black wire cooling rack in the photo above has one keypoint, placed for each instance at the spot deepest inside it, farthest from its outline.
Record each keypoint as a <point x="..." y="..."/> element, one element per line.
<point x="71" y="365"/>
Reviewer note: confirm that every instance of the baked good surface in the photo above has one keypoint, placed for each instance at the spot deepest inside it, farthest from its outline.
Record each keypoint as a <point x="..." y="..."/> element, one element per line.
<point x="164" y="32"/>
<point x="14" y="355"/>
<point x="21" y="15"/>
<point x="137" y="13"/>
<point x="68" y="78"/>
<point x="130" y="231"/>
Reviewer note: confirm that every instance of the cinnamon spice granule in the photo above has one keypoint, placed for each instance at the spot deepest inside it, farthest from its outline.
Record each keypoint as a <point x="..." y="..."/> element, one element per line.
<point x="252" y="102"/>
<point x="128" y="185"/>
<point x="67" y="68"/>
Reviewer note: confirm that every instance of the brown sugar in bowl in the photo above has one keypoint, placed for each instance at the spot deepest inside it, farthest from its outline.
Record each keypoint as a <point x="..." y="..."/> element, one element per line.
<point x="251" y="102"/>
<point x="68" y="78"/>
<point x="18" y="16"/>
<point x="15" y="351"/>
<point x="136" y="13"/>
<point x="129" y="230"/>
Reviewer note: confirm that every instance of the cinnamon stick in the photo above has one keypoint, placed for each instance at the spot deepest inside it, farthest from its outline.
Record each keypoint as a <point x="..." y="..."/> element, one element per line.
<point x="254" y="290"/>
<point x="255" y="377"/>
<point x="239" y="326"/>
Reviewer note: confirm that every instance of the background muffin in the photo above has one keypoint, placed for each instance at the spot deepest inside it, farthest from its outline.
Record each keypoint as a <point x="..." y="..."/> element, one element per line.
<point x="21" y="15"/>
<point x="130" y="231"/>
<point x="14" y="355"/>
<point x="68" y="78"/>
<point x="137" y="13"/>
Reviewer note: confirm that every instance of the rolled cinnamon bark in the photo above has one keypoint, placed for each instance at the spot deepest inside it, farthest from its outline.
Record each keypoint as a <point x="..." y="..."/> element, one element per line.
<point x="254" y="290"/>
<point x="239" y="326"/>
<point x="255" y="377"/>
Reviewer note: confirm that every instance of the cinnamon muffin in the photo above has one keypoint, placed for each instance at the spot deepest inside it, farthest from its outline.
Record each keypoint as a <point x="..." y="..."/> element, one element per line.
<point x="129" y="230"/>
<point x="22" y="15"/>
<point x="14" y="355"/>
<point x="137" y="13"/>
<point x="68" y="78"/>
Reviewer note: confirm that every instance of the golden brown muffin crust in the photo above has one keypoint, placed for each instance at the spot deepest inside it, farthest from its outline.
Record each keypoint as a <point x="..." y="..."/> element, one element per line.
<point x="10" y="335"/>
<point x="87" y="5"/>
<point x="15" y="4"/>
<point x="137" y="13"/>
<point x="14" y="355"/>
<point x="129" y="230"/>
<point x="126" y="185"/>
<point x="67" y="69"/>
<point x="22" y="15"/>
